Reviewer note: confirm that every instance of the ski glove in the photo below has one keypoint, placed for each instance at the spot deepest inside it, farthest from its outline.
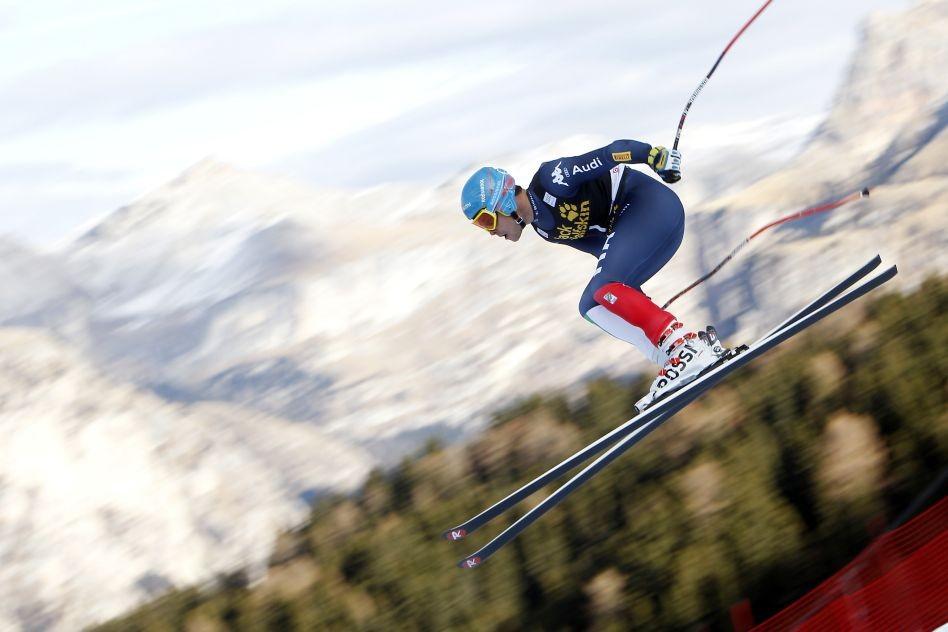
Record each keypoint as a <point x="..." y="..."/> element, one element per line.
<point x="666" y="163"/>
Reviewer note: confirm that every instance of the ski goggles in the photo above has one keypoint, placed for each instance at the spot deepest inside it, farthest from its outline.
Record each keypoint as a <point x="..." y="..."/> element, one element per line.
<point x="488" y="220"/>
<point x="497" y="196"/>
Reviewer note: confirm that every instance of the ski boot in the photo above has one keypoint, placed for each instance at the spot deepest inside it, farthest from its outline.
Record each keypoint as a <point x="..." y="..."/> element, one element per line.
<point x="689" y="355"/>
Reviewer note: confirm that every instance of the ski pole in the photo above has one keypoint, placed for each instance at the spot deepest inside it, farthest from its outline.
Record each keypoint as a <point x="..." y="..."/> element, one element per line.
<point x="701" y="85"/>
<point x="813" y="210"/>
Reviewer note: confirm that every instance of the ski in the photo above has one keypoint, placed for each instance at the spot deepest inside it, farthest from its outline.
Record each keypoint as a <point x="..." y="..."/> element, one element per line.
<point x="635" y="425"/>
<point x="670" y="407"/>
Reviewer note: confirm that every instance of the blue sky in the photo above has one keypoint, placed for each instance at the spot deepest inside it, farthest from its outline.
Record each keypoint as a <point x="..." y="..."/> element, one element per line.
<point x="100" y="104"/>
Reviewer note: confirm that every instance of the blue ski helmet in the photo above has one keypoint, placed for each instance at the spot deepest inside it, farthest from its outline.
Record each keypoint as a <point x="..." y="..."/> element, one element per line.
<point x="490" y="189"/>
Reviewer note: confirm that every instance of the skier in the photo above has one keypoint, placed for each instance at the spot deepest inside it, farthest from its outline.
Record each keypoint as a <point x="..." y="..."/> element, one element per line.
<point x="598" y="203"/>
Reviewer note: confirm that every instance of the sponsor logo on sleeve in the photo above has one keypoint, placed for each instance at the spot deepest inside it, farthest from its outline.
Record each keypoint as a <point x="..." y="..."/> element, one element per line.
<point x="559" y="176"/>
<point x="622" y="156"/>
<point x="587" y="167"/>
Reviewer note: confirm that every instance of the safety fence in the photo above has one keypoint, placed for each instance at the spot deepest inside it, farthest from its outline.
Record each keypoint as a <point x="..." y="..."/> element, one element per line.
<point x="899" y="582"/>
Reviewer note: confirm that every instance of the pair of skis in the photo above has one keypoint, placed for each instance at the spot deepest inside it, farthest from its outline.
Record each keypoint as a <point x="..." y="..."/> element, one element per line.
<point x="634" y="430"/>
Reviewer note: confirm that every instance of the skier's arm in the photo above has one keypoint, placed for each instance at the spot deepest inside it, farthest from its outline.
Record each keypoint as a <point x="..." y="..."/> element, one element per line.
<point x="665" y="162"/>
<point x="625" y="152"/>
<point x="564" y="175"/>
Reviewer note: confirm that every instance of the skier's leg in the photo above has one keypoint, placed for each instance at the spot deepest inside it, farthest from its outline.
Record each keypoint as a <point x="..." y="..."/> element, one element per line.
<point x="646" y="234"/>
<point x="645" y="237"/>
<point x="629" y="315"/>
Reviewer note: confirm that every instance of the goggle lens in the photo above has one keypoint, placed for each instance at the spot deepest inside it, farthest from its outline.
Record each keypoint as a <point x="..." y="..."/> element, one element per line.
<point x="485" y="219"/>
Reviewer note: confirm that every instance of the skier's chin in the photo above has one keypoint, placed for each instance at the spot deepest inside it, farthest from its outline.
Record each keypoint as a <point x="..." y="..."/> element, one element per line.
<point x="515" y="237"/>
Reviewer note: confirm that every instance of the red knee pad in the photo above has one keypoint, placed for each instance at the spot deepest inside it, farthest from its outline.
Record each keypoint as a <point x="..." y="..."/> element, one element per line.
<point x="634" y="307"/>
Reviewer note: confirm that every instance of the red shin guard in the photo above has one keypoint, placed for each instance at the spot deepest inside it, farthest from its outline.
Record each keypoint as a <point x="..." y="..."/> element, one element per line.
<point x="634" y="307"/>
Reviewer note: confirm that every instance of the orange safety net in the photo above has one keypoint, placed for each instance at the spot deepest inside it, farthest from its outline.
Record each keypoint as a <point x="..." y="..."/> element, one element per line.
<point x="900" y="582"/>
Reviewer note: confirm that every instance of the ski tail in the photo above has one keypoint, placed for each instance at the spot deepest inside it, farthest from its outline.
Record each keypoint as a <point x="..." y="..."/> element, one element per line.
<point x="468" y="527"/>
<point x="674" y="405"/>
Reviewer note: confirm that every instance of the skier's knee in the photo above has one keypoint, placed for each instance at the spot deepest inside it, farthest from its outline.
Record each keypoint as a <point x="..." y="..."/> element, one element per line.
<point x="588" y="300"/>
<point x="586" y="304"/>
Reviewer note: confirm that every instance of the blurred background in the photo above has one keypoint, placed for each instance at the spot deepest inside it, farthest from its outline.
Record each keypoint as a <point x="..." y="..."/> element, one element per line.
<point x="245" y="382"/>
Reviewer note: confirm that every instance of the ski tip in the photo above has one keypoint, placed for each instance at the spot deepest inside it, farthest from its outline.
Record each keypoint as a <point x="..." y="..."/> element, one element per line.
<point x="865" y="192"/>
<point x="470" y="562"/>
<point x="454" y="534"/>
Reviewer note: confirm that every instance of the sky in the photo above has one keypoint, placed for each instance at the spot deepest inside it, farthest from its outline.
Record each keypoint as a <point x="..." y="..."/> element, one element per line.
<point x="102" y="102"/>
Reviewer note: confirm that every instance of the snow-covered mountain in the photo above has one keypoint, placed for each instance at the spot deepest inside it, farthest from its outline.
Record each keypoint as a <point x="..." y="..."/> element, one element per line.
<point x="37" y="291"/>
<point x="356" y="312"/>
<point x="180" y="378"/>
<point x="109" y="495"/>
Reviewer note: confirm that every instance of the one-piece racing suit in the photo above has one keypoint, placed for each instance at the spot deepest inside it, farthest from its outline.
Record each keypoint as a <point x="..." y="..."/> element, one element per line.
<point x="597" y="203"/>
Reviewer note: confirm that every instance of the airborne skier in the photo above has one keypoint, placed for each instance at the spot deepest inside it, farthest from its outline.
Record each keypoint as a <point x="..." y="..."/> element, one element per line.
<point x="598" y="203"/>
